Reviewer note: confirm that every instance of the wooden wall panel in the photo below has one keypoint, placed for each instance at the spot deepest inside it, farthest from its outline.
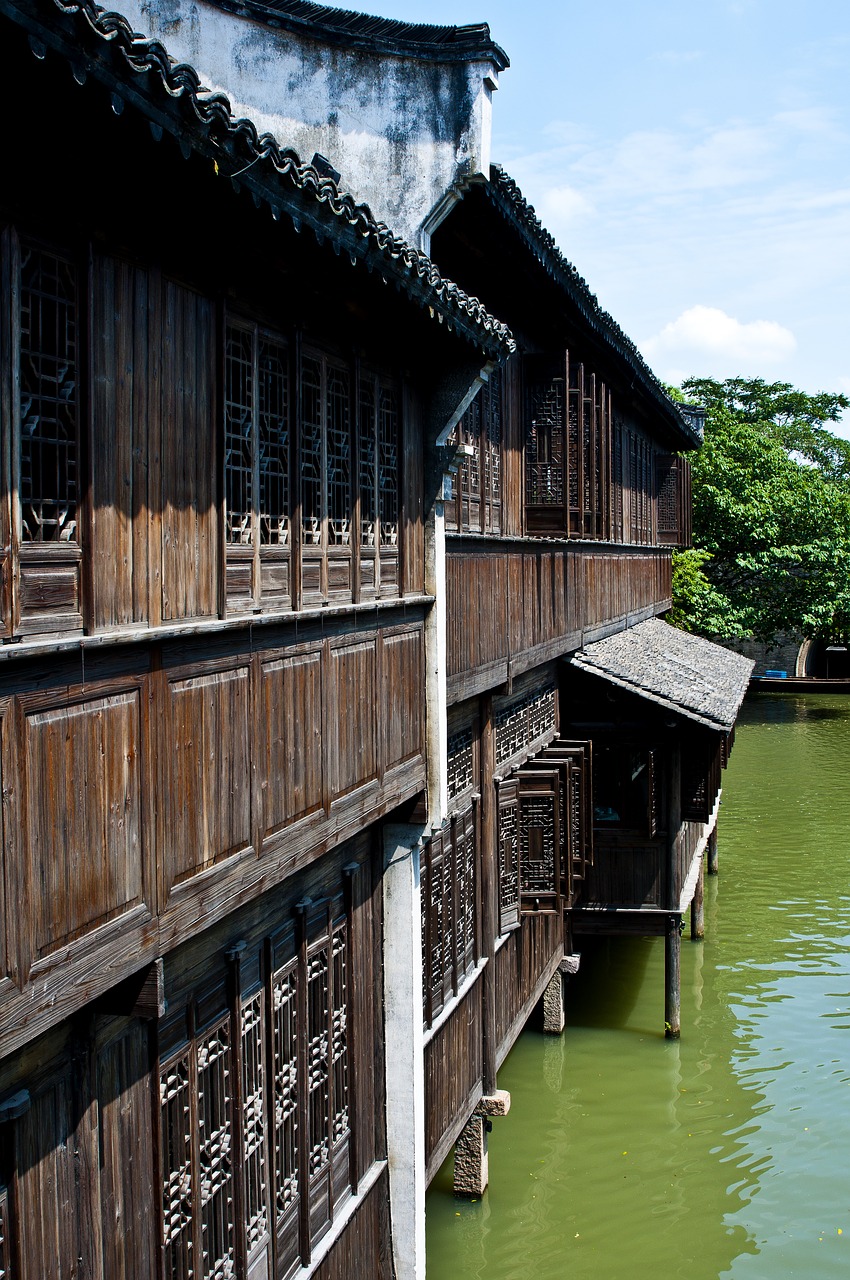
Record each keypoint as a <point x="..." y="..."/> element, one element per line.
<point x="293" y="766"/>
<point x="127" y="1195"/>
<point x="402" y="679"/>
<point x="120" y="411"/>
<point x="363" y="1251"/>
<point x="190" y="553"/>
<point x="453" y="1066"/>
<point x="503" y="603"/>
<point x="56" y="1167"/>
<point x="352" y="713"/>
<point x="524" y="963"/>
<point x="83" y="834"/>
<point x="206" y="783"/>
<point x="626" y="872"/>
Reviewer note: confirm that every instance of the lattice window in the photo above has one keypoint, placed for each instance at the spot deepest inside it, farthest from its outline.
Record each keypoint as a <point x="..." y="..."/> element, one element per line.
<point x="464" y="860"/>
<point x="524" y="721"/>
<point x="318" y="1141"/>
<point x="253" y="1122"/>
<point x="273" y="442"/>
<point x="449" y="921"/>
<point x="215" y="1140"/>
<point x="340" y="1118"/>
<point x="476" y="502"/>
<point x="338" y="455"/>
<point x="460" y="763"/>
<point x="368" y="465"/>
<point x="178" y="1181"/>
<point x="545" y="444"/>
<point x="239" y="435"/>
<point x="287" y="1130"/>
<point x="388" y="472"/>
<point x="539" y="844"/>
<point x="508" y="860"/>
<point x="256" y="462"/>
<point x="312" y="498"/>
<point x="49" y="396"/>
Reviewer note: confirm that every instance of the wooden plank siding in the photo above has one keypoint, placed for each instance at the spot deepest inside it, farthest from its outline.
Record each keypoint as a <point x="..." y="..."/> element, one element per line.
<point x="453" y="1076"/>
<point x="511" y="606"/>
<point x="525" y="961"/>
<point x="150" y="792"/>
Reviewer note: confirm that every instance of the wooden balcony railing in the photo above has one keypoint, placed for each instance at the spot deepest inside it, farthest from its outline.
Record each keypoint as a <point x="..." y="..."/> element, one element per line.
<point x="513" y="603"/>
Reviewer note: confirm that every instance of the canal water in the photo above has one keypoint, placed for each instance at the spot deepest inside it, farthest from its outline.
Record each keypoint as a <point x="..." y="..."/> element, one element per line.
<point x="629" y="1157"/>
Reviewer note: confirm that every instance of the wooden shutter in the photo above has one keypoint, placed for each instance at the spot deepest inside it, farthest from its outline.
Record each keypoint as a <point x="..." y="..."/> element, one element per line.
<point x="508" y="853"/>
<point x="539" y="839"/>
<point x="580" y="802"/>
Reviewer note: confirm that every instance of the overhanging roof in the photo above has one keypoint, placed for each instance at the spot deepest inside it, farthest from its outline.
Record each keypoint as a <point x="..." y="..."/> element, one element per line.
<point x="141" y="73"/>
<point x="506" y="197"/>
<point x="686" y="674"/>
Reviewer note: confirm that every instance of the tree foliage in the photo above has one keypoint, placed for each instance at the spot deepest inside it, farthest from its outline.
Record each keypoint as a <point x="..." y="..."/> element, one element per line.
<point x="771" y="489"/>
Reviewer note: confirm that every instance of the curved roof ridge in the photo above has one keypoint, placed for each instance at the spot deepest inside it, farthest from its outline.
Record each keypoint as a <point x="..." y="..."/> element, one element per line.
<point x="235" y="140"/>
<point x="546" y="249"/>
<point x="392" y="36"/>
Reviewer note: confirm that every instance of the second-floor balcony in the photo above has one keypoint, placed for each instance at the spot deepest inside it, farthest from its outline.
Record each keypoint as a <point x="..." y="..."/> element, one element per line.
<point x="513" y="603"/>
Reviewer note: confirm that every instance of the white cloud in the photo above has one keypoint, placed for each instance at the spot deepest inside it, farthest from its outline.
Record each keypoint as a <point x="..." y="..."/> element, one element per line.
<point x="562" y="206"/>
<point x="707" y="340"/>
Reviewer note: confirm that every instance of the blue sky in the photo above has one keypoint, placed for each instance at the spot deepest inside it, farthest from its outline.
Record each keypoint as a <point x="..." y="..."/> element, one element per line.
<point x="693" y="161"/>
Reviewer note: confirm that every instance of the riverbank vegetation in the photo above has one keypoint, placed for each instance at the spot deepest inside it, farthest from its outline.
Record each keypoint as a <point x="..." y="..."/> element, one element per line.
<point x="771" y="495"/>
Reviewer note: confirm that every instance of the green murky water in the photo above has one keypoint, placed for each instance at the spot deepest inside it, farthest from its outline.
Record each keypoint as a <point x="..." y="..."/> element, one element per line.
<point x="727" y="1154"/>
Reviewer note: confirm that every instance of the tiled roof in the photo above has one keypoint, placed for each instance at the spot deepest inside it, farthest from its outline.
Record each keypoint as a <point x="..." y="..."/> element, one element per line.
<point x="175" y="100"/>
<point x="506" y="195"/>
<point x="379" y="35"/>
<point x="691" y="676"/>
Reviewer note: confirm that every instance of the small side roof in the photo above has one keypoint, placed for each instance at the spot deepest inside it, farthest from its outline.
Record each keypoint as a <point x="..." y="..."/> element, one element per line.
<point x="691" y="676"/>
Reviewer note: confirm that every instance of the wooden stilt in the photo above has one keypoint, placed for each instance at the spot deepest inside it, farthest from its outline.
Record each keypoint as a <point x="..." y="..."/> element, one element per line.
<point x="672" y="978"/>
<point x="712" y="852"/>
<point x="698" y="906"/>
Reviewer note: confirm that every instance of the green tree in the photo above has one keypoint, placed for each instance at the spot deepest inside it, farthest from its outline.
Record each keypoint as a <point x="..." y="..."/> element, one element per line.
<point x="771" y="490"/>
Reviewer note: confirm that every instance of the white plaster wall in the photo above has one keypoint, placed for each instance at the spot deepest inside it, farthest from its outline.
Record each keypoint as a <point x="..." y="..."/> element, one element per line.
<point x="400" y="131"/>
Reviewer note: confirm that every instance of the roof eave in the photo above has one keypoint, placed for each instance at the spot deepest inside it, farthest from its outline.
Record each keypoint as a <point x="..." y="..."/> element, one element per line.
<point x="102" y="44"/>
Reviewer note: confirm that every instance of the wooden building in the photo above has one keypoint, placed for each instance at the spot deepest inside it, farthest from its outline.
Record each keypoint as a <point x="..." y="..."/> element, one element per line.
<point x="297" y="537"/>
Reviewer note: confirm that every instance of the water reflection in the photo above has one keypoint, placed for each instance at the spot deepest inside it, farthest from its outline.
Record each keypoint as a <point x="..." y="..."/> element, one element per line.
<point x="728" y="1153"/>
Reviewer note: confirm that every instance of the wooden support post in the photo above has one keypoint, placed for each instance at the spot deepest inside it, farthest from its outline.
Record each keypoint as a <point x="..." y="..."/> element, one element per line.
<point x="712" y="851"/>
<point x="672" y="977"/>
<point x="698" y="906"/>
<point x="489" y="891"/>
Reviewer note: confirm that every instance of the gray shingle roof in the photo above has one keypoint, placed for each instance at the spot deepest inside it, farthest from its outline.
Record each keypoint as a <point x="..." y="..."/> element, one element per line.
<point x="379" y="35"/>
<point x="691" y="676"/>
<point x="171" y="94"/>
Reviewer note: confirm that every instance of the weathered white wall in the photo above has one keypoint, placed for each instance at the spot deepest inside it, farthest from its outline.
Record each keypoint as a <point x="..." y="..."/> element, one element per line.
<point x="400" y="131"/>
